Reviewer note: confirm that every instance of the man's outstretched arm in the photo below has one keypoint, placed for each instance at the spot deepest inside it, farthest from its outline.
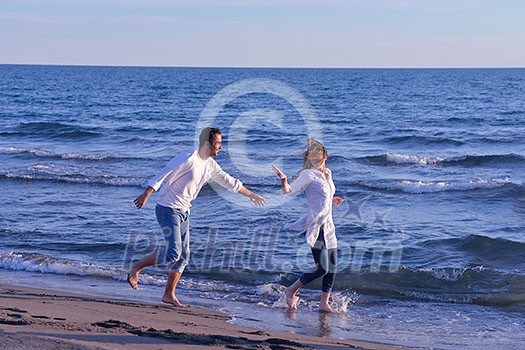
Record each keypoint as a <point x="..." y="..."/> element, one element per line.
<point x="141" y="200"/>
<point x="255" y="198"/>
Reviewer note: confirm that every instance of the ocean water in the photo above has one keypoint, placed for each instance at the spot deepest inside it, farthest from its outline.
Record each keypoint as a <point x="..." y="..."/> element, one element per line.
<point x="430" y="162"/>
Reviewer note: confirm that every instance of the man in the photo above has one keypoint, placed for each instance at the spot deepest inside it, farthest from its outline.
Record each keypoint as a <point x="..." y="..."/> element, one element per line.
<point x="184" y="175"/>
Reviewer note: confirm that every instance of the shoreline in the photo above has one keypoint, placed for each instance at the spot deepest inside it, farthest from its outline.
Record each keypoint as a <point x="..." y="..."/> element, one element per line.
<point x="46" y="319"/>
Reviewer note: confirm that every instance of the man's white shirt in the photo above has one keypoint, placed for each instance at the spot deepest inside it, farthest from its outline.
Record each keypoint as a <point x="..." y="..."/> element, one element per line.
<point x="185" y="175"/>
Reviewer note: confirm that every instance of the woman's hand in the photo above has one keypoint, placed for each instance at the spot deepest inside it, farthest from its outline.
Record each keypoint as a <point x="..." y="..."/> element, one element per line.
<point x="337" y="200"/>
<point x="279" y="173"/>
<point x="285" y="187"/>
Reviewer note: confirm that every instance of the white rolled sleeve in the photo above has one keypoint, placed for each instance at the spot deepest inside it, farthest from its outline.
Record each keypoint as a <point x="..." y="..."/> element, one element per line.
<point x="226" y="180"/>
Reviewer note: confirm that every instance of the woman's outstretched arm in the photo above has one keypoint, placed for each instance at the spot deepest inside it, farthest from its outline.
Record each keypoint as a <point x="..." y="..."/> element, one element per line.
<point x="285" y="187"/>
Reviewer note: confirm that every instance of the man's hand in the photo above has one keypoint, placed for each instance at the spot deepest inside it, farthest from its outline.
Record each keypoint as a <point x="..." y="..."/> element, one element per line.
<point x="257" y="200"/>
<point x="141" y="200"/>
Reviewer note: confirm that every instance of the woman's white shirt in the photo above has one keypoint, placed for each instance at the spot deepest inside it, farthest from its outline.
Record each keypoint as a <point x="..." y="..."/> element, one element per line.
<point x="319" y="191"/>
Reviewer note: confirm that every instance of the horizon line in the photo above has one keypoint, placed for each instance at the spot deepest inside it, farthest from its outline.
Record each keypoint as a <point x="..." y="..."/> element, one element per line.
<point x="255" y="67"/>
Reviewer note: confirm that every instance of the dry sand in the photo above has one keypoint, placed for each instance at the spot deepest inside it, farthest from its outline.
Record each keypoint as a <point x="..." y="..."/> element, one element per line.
<point x="40" y="319"/>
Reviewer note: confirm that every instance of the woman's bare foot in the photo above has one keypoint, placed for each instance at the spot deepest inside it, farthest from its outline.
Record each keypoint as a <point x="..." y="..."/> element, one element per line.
<point x="291" y="299"/>
<point x="172" y="300"/>
<point x="326" y="308"/>
<point x="133" y="277"/>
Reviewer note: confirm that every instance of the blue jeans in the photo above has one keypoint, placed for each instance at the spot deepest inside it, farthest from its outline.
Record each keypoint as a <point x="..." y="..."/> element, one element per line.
<point x="175" y="226"/>
<point x="325" y="263"/>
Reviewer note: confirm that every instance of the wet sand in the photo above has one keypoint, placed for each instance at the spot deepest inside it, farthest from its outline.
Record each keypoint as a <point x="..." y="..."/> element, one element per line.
<point x="42" y="319"/>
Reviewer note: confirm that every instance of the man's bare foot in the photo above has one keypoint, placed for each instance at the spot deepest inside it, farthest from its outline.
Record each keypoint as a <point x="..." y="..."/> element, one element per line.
<point x="326" y="308"/>
<point x="172" y="300"/>
<point x="292" y="314"/>
<point x="133" y="277"/>
<point x="291" y="299"/>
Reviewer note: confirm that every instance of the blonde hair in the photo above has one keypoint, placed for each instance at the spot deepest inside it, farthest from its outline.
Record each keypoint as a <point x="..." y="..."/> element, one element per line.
<point x="314" y="154"/>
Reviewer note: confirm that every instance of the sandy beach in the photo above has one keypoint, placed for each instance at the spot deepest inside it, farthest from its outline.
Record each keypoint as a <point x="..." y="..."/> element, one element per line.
<point x="42" y="319"/>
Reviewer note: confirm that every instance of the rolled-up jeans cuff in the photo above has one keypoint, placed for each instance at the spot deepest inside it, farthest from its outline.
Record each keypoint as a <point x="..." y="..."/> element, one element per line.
<point x="176" y="267"/>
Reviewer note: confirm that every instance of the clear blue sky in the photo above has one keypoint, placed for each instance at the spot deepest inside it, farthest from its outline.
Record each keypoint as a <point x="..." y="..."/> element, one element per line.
<point x="258" y="33"/>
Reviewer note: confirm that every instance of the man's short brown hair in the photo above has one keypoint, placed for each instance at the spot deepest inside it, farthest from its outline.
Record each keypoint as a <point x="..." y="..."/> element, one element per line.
<point x="208" y="134"/>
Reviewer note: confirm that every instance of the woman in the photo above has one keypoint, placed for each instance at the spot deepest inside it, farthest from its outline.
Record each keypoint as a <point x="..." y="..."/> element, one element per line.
<point x="315" y="179"/>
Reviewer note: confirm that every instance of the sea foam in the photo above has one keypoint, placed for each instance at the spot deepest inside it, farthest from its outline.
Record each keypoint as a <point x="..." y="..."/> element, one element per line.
<point x="48" y="154"/>
<point x="417" y="187"/>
